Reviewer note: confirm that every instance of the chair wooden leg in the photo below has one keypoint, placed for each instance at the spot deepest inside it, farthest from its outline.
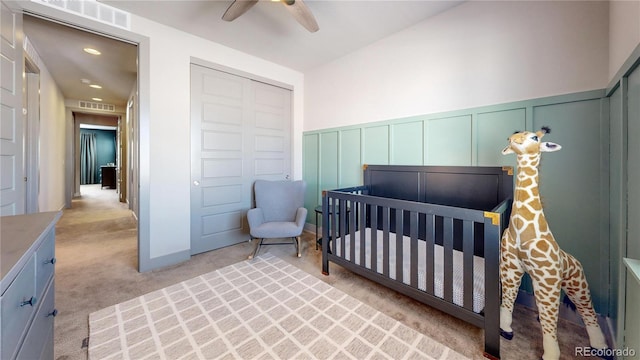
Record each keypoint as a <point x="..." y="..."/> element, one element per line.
<point x="298" y="246"/>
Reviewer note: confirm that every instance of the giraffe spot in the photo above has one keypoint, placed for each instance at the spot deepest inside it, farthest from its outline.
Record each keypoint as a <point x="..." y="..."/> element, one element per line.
<point x="544" y="264"/>
<point x="542" y="246"/>
<point x="528" y="232"/>
<point x="538" y="272"/>
<point x="537" y="254"/>
<point x="526" y="214"/>
<point x="551" y="281"/>
<point x="526" y="183"/>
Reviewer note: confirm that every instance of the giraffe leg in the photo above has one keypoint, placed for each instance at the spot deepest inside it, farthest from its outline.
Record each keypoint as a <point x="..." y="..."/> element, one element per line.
<point x="547" y="293"/>
<point x="577" y="289"/>
<point x="511" y="272"/>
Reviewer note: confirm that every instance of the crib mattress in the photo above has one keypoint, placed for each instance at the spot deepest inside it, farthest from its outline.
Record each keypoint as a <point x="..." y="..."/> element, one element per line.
<point x="438" y="281"/>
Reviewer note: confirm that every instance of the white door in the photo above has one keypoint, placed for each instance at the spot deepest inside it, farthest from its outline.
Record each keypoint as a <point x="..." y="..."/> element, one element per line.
<point x="12" y="187"/>
<point x="240" y="132"/>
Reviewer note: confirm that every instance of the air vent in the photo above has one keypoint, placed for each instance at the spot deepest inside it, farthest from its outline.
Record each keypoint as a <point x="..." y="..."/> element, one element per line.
<point x="32" y="52"/>
<point x="96" y="106"/>
<point x="93" y="10"/>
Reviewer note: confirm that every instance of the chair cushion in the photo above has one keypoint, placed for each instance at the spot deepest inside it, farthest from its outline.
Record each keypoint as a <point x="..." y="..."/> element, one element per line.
<point x="276" y="229"/>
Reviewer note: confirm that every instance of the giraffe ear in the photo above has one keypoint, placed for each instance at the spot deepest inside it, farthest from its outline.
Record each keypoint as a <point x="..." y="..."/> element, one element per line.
<point x="548" y="146"/>
<point x="507" y="151"/>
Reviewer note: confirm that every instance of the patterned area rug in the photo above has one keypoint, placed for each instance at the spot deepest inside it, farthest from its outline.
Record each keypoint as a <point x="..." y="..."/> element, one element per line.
<point x="260" y="309"/>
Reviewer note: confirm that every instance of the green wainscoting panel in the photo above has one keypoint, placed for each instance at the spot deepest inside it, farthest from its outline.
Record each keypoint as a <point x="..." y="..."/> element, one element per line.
<point x="617" y="209"/>
<point x="448" y="141"/>
<point x="632" y="325"/>
<point x="633" y="143"/>
<point x="310" y="173"/>
<point x="407" y="143"/>
<point x="350" y="158"/>
<point x="376" y="145"/>
<point x="570" y="184"/>
<point x="492" y="129"/>
<point x="329" y="161"/>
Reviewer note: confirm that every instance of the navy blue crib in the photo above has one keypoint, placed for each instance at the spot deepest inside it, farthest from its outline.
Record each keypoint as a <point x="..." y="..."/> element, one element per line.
<point x="428" y="232"/>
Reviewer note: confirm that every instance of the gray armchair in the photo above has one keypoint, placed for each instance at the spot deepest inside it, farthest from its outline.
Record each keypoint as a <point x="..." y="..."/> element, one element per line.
<point x="279" y="213"/>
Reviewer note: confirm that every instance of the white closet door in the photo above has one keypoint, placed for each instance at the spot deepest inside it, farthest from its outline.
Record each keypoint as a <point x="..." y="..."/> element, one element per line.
<point x="240" y="132"/>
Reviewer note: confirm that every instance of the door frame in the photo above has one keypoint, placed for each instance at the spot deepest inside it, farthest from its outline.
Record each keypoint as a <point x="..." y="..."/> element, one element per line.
<point x="31" y="102"/>
<point x="143" y="111"/>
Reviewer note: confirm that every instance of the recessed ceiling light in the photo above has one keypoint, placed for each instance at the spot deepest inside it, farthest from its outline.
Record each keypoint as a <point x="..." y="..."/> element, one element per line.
<point x="95" y="86"/>
<point x="92" y="51"/>
<point x="85" y="81"/>
<point x="96" y="99"/>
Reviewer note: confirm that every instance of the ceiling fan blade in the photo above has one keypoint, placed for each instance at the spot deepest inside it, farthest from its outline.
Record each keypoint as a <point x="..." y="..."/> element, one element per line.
<point x="302" y="14"/>
<point x="237" y="8"/>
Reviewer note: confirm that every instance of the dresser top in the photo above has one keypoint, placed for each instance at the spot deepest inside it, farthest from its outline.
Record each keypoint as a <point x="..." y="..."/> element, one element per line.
<point x="18" y="235"/>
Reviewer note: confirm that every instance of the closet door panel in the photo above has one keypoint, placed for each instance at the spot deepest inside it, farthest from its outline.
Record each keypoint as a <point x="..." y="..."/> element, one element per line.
<point x="240" y="132"/>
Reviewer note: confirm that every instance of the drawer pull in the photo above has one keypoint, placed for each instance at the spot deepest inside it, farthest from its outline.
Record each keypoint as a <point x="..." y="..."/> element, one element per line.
<point x="52" y="261"/>
<point x="54" y="313"/>
<point x="31" y="302"/>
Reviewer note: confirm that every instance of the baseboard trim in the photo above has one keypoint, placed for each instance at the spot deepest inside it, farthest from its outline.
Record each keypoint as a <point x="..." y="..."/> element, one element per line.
<point x="164" y="261"/>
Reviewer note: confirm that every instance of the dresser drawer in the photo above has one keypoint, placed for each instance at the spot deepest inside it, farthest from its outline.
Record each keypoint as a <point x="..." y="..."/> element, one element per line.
<point x="18" y="304"/>
<point x="45" y="262"/>
<point x="38" y="344"/>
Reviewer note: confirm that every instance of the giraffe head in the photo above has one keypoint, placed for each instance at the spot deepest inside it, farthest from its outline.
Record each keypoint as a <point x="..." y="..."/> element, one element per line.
<point x="530" y="143"/>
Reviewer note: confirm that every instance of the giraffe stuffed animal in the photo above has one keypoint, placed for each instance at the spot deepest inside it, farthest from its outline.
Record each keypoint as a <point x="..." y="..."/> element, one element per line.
<point x="528" y="245"/>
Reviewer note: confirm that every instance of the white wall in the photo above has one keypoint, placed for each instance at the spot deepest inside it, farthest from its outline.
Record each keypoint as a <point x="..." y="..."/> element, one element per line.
<point x="169" y="124"/>
<point x="624" y="32"/>
<point x="52" y="144"/>
<point x="478" y="53"/>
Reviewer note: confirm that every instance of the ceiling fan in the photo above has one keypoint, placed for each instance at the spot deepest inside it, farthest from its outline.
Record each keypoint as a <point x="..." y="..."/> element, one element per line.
<point x="297" y="8"/>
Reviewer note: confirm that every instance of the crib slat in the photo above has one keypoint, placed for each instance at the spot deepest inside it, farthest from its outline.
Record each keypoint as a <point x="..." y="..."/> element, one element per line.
<point x="350" y="226"/>
<point x="385" y="240"/>
<point x="341" y="209"/>
<point x="333" y="223"/>
<point x="448" y="259"/>
<point x="362" y="208"/>
<point x="430" y="239"/>
<point x="413" y="250"/>
<point x="467" y="250"/>
<point x="399" y="245"/>
<point x="373" y="213"/>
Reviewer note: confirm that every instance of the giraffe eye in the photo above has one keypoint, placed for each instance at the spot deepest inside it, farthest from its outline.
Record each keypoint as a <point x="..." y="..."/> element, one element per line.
<point x="534" y="138"/>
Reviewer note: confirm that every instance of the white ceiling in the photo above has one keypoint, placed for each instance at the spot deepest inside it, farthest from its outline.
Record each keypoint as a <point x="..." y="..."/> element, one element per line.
<point x="267" y="31"/>
<point x="60" y="48"/>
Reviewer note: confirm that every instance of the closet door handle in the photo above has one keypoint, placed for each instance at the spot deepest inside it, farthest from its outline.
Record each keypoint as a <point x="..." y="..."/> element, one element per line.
<point x="52" y="261"/>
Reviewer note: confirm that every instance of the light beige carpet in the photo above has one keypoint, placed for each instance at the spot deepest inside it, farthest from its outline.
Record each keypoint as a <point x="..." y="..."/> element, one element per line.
<point x="260" y="309"/>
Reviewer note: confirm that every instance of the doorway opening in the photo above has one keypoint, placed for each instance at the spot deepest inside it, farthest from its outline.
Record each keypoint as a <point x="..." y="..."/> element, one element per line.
<point x="99" y="97"/>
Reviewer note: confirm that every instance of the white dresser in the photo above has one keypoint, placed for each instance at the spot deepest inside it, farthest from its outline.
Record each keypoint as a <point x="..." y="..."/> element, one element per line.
<point x="27" y="245"/>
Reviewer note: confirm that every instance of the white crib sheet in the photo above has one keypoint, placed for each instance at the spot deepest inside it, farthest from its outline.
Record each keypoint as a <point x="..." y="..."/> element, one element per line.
<point x="458" y="266"/>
